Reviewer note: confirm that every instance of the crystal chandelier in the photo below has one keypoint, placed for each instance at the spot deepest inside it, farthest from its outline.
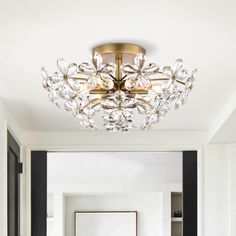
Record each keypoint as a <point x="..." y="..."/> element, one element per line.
<point x="118" y="91"/>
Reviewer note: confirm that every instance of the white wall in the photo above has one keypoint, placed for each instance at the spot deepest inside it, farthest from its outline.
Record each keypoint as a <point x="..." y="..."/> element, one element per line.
<point x="8" y="123"/>
<point x="233" y="188"/>
<point x="3" y="177"/>
<point x="216" y="191"/>
<point x="149" y="209"/>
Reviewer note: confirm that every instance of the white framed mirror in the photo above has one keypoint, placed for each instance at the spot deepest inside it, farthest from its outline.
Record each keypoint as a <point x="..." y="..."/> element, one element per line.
<point x="106" y="223"/>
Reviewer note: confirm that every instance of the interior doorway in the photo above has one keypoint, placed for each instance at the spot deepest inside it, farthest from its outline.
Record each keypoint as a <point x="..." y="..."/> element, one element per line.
<point x="114" y="179"/>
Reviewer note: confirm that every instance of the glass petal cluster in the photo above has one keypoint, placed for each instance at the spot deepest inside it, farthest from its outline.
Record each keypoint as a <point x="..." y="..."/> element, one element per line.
<point x="119" y="108"/>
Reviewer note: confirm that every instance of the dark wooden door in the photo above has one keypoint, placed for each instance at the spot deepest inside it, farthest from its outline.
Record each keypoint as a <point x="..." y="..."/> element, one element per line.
<point x="13" y="183"/>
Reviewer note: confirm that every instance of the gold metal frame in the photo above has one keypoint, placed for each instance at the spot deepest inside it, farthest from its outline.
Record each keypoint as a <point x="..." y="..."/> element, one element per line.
<point x="119" y="51"/>
<point x="118" y="48"/>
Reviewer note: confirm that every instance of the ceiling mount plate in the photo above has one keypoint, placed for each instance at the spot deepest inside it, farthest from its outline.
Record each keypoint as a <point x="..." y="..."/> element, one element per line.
<point x="119" y="48"/>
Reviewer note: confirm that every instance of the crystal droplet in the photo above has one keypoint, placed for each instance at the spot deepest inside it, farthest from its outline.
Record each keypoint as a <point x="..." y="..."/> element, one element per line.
<point x="167" y="71"/>
<point x="62" y="66"/>
<point x="139" y="60"/>
<point x="119" y="97"/>
<point x="106" y="82"/>
<point x="131" y="83"/>
<point x="177" y="66"/>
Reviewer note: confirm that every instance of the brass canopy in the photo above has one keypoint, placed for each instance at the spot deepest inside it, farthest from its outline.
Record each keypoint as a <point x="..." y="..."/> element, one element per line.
<point x="119" y="48"/>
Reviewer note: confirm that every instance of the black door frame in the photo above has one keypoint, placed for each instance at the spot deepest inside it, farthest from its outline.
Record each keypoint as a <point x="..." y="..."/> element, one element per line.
<point x="14" y="149"/>
<point x="39" y="193"/>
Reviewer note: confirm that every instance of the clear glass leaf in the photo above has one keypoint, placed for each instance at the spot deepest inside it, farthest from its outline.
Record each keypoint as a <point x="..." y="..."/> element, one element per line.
<point x="86" y="120"/>
<point x="145" y="82"/>
<point x="128" y="69"/>
<point x="141" y="109"/>
<point x="70" y="106"/>
<point x="62" y="66"/>
<point x="66" y="92"/>
<point x="72" y="69"/>
<point x="193" y="75"/>
<point x="167" y="71"/>
<point x="129" y="117"/>
<point x="185" y="95"/>
<point x="127" y="127"/>
<point x="108" y="104"/>
<point x="139" y="60"/>
<point x="151" y="69"/>
<point x="91" y="82"/>
<point x="110" y="127"/>
<point x="56" y="77"/>
<point x="53" y="97"/>
<point x="45" y="83"/>
<point x="97" y="60"/>
<point x="44" y="73"/>
<point x="109" y="68"/>
<point x="87" y="68"/>
<point x="46" y="79"/>
<point x="166" y="84"/>
<point x="74" y="84"/>
<point x="177" y="66"/>
<point x="129" y="103"/>
<point x="182" y="75"/>
<point x="178" y="104"/>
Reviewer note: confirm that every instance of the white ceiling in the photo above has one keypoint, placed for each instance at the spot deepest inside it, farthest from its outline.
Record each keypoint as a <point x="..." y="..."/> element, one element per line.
<point x="36" y="33"/>
<point x="114" y="168"/>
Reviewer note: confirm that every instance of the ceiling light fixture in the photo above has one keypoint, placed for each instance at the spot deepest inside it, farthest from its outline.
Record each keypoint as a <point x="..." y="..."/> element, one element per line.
<point x="117" y="87"/>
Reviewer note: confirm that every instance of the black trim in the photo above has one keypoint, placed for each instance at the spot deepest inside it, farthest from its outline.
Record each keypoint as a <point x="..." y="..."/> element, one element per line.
<point x="13" y="186"/>
<point x="190" y="193"/>
<point x="38" y="193"/>
<point x="20" y="168"/>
